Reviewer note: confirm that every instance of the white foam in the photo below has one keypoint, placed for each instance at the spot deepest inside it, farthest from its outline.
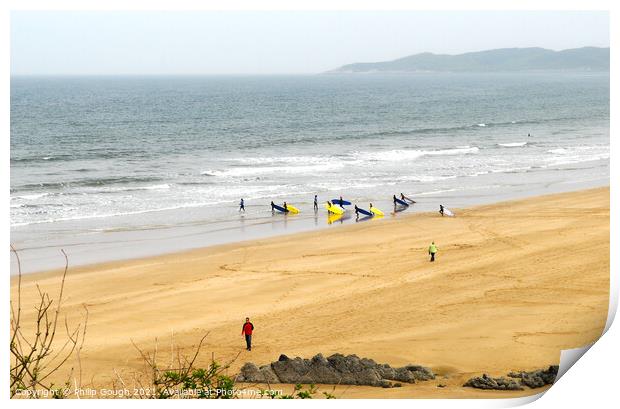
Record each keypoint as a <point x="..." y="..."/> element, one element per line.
<point x="409" y="154"/>
<point x="293" y="160"/>
<point x="512" y="144"/>
<point x="152" y="187"/>
<point x="265" y="170"/>
<point x="426" y="178"/>
<point x="435" y="192"/>
<point x="33" y="196"/>
<point x="576" y="154"/>
<point x="162" y="186"/>
<point x="217" y="195"/>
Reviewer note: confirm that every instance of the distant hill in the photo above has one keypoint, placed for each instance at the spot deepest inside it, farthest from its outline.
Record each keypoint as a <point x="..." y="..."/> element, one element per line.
<point x="503" y="59"/>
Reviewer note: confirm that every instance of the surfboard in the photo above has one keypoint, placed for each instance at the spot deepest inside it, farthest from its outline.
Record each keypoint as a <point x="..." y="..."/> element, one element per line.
<point x="280" y="208"/>
<point x="364" y="212"/>
<point x="401" y="202"/>
<point x="344" y="202"/>
<point x="334" y="209"/>
<point x="331" y="217"/>
<point x="292" y="209"/>
<point x="448" y="212"/>
<point x="376" y="211"/>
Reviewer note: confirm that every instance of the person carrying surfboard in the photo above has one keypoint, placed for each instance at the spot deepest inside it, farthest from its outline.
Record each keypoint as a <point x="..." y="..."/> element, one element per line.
<point x="441" y="210"/>
<point x="246" y="330"/>
<point x="273" y="207"/>
<point x="329" y="207"/>
<point x="242" y="205"/>
<point x="406" y="199"/>
<point x="357" y="211"/>
<point x="432" y="250"/>
<point x="341" y="202"/>
<point x="284" y="206"/>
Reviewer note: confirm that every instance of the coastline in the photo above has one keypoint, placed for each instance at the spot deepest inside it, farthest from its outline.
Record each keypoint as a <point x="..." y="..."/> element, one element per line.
<point x="515" y="282"/>
<point x="40" y="249"/>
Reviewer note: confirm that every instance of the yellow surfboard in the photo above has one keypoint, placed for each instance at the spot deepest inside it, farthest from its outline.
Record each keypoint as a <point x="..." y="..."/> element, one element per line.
<point x="334" y="209"/>
<point x="292" y="209"/>
<point x="331" y="217"/>
<point x="376" y="211"/>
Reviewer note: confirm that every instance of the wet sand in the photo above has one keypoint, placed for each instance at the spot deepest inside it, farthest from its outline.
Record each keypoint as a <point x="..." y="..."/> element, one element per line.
<point x="514" y="283"/>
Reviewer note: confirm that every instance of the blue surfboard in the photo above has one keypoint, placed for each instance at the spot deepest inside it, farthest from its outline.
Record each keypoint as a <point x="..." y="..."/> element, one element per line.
<point x="401" y="202"/>
<point x="280" y="208"/>
<point x="341" y="202"/>
<point x="364" y="212"/>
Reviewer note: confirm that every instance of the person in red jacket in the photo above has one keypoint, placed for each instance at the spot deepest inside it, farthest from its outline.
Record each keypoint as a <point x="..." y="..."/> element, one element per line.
<point x="246" y="330"/>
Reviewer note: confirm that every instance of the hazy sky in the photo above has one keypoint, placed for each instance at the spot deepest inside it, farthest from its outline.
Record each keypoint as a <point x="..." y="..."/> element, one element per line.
<point x="275" y="42"/>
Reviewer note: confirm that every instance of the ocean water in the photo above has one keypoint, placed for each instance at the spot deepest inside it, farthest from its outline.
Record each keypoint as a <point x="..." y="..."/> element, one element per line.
<point x="100" y="162"/>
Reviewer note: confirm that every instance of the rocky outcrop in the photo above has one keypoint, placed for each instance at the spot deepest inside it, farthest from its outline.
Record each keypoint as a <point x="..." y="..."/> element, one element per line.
<point x="538" y="378"/>
<point x="335" y="369"/>
<point x="486" y="382"/>
<point x="533" y="379"/>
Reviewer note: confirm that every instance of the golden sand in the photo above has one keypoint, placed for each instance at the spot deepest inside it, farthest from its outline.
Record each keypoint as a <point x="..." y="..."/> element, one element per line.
<point x="514" y="283"/>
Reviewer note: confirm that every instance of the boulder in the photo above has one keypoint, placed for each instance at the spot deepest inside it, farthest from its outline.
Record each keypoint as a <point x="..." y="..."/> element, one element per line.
<point x="335" y="369"/>
<point x="538" y="378"/>
<point x="292" y="371"/>
<point x="268" y="375"/>
<point x="251" y="373"/>
<point x="420" y="373"/>
<point x="248" y="373"/>
<point x="486" y="382"/>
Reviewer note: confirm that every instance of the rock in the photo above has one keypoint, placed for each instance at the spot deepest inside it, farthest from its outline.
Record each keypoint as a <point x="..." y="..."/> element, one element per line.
<point x="386" y="372"/>
<point x="420" y="373"/>
<point x="321" y="369"/>
<point x="292" y="371"/>
<point x="538" y="378"/>
<point x="336" y="369"/>
<point x="368" y="363"/>
<point x="319" y="359"/>
<point x="404" y="375"/>
<point x="268" y="375"/>
<point x="385" y="384"/>
<point x="486" y="382"/>
<point x="248" y="373"/>
<point x="441" y="385"/>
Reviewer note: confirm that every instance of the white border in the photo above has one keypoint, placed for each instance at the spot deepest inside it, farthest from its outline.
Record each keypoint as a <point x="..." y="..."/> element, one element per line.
<point x="577" y="388"/>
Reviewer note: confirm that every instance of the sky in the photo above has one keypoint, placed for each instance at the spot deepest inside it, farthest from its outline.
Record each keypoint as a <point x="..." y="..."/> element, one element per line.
<point x="267" y="42"/>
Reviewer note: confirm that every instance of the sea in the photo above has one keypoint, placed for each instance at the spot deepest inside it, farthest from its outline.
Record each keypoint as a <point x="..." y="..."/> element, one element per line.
<point x="120" y="167"/>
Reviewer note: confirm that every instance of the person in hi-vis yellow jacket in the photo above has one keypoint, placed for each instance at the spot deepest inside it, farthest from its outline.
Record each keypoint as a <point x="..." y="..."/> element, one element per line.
<point x="432" y="249"/>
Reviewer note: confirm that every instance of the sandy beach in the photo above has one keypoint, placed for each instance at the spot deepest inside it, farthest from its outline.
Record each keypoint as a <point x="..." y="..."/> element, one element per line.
<point x="514" y="283"/>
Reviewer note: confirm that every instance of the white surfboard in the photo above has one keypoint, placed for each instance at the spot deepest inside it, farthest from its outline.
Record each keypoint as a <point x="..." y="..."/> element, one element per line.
<point x="448" y="212"/>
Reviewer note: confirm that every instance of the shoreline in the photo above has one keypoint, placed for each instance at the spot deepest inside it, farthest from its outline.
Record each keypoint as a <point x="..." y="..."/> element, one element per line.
<point x="514" y="283"/>
<point x="111" y="244"/>
<point x="388" y="218"/>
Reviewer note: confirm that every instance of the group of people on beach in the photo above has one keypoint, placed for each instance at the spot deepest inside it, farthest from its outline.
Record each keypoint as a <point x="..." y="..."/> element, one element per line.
<point x="248" y="328"/>
<point x="404" y="201"/>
